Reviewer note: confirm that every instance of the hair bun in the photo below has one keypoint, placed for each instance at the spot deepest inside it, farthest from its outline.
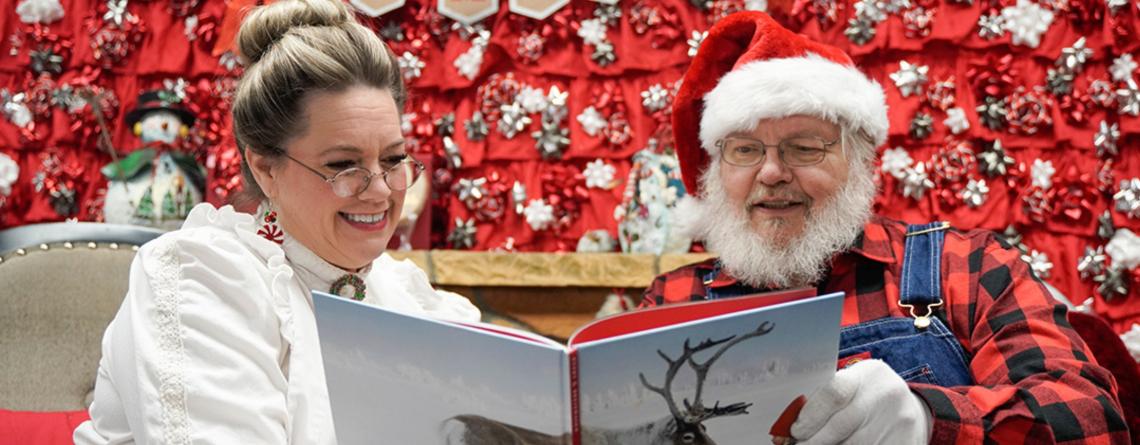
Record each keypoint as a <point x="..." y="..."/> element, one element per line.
<point x="267" y="24"/>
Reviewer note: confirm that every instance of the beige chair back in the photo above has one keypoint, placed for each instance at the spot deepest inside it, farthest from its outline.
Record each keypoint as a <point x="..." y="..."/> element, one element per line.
<point x="56" y="299"/>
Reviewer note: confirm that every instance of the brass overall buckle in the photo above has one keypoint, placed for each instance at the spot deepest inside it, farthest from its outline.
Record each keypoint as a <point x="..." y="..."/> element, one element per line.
<point x="921" y="321"/>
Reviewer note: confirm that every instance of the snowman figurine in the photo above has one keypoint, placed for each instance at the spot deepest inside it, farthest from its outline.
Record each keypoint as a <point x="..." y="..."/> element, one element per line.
<point x="156" y="185"/>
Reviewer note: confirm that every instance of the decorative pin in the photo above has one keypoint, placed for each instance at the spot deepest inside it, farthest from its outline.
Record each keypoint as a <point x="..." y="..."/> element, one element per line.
<point x="349" y="280"/>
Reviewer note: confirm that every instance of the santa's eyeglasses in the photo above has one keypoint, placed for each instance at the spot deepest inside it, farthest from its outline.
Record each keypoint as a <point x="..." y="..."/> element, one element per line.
<point x="794" y="152"/>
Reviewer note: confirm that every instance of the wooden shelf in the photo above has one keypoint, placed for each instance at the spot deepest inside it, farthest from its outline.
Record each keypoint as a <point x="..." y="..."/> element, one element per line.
<point x="466" y="268"/>
<point x="549" y="293"/>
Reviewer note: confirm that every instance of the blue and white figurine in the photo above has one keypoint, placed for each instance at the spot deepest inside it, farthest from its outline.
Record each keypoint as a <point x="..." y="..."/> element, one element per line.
<point x="646" y="219"/>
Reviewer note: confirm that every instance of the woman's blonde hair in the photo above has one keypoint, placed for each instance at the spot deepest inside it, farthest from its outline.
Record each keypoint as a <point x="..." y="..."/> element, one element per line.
<point x="291" y="48"/>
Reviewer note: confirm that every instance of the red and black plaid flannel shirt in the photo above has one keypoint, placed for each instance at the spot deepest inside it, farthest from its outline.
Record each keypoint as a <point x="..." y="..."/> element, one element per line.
<point x="1035" y="379"/>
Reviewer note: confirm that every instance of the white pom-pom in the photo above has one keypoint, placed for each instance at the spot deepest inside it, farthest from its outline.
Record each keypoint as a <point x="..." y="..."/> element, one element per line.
<point x="1124" y="249"/>
<point x="39" y="11"/>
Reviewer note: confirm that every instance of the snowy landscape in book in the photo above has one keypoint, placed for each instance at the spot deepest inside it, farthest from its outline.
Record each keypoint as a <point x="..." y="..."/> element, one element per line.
<point x="776" y="356"/>
<point x="396" y="378"/>
<point x="386" y="388"/>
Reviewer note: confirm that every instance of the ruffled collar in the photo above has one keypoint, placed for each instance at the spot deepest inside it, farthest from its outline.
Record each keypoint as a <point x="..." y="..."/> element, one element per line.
<point x="316" y="273"/>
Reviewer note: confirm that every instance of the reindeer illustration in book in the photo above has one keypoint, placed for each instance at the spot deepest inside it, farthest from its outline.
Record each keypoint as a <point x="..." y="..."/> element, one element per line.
<point x="685" y="423"/>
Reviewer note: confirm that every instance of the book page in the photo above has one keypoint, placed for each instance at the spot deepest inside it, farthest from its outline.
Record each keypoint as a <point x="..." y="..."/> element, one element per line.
<point x="512" y="332"/>
<point x="671" y="314"/>
<point x="399" y="378"/>
<point x="757" y="360"/>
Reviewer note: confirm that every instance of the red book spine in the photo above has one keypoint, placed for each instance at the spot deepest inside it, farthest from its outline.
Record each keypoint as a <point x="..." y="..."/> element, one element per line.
<point x="575" y="423"/>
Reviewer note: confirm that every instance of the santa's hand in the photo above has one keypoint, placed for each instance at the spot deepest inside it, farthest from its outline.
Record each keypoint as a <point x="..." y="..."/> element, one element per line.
<point x="866" y="403"/>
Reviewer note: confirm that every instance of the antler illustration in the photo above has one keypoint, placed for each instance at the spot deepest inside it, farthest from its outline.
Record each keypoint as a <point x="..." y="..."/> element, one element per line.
<point x="696" y="411"/>
<point x="682" y="427"/>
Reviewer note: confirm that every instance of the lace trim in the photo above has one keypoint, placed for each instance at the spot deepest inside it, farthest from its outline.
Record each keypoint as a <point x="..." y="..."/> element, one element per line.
<point x="171" y="389"/>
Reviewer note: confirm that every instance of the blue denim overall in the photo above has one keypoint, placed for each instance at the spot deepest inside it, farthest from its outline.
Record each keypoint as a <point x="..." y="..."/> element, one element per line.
<point x="929" y="354"/>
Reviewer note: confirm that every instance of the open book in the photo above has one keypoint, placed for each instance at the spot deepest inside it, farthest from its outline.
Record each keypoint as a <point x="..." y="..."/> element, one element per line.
<point x="720" y="370"/>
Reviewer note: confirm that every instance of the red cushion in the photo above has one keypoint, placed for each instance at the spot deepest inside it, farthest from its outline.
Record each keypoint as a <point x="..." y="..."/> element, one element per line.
<point x="41" y="428"/>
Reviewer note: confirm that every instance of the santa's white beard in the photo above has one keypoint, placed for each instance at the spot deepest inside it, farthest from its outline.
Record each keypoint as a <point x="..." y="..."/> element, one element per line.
<point x="800" y="261"/>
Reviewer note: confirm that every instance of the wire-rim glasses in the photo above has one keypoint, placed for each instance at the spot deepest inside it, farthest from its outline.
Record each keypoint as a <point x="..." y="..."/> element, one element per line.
<point x="799" y="151"/>
<point x="355" y="180"/>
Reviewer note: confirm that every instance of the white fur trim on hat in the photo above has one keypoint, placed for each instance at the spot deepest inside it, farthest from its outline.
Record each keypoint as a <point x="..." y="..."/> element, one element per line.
<point x="809" y="85"/>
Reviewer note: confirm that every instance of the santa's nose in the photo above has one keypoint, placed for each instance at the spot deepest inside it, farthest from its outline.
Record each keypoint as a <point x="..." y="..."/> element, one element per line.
<point x="165" y="125"/>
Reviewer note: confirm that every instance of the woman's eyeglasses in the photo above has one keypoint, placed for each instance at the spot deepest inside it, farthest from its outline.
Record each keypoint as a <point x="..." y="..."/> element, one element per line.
<point x="353" y="181"/>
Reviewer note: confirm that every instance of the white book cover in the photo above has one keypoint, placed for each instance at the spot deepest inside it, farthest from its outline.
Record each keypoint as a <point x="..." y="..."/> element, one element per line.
<point x="630" y="378"/>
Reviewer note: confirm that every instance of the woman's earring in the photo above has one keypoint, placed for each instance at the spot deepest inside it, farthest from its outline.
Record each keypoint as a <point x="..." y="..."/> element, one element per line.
<point x="269" y="229"/>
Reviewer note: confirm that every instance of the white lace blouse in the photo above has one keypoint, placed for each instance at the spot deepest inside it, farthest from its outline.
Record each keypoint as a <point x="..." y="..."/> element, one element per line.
<point x="216" y="341"/>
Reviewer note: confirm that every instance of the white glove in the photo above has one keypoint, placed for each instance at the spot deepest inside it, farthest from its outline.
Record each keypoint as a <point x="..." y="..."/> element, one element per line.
<point x="866" y="403"/>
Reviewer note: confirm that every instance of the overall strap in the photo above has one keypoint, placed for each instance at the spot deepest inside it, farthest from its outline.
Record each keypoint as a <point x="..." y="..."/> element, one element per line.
<point x="921" y="288"/>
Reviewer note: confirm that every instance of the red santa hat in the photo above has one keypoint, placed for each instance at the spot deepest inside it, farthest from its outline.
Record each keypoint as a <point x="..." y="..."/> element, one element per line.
<point x="751" y="68"/>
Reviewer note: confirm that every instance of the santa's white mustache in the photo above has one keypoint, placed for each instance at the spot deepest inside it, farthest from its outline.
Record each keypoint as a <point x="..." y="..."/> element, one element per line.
<point x="768" y="194"/>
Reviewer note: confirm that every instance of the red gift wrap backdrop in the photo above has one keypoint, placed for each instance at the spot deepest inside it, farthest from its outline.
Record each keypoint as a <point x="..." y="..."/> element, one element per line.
<point x="1016" y="116"/>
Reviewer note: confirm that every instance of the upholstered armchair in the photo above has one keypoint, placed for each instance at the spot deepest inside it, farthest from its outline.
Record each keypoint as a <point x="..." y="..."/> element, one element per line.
<point x="60" y="285"/>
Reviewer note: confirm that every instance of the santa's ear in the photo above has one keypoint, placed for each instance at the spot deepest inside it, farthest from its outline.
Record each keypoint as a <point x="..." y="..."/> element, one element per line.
<point x="137" y="129"/>
<point x="183" y="131"/>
